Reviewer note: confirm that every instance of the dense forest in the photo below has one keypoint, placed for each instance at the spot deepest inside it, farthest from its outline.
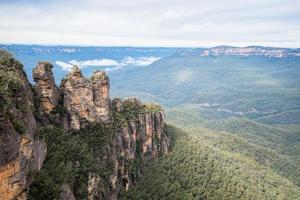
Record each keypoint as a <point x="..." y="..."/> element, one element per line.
<point x="199" y="169"/>
<point x="233" y="123"/>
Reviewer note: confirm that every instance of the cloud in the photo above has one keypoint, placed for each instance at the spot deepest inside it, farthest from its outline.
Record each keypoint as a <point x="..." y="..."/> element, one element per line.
<point x="64" y="65"/>
<point x="142" y="61"/>
<point x="151" y="22"/>
<point x="108" y="63"/>
<point x="96" y="62"/>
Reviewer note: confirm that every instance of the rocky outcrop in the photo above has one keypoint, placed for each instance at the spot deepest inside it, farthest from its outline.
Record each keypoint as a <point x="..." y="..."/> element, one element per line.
<point x="45" y="87"/>
<point x="140" y="138"/>
<point x="85" y="100"/>
<point x="21" y="155"/>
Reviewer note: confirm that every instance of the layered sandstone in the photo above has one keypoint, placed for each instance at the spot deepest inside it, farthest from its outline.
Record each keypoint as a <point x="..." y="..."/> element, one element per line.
<point x="21" y="155"/>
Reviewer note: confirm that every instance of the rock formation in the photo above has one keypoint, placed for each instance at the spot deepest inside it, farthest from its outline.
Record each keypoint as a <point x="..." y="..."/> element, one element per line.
<point x="139" y="139"/>
<point x="138" y="132"/>
<point x="45" y="86"/>
<point x="21" y="155"/>
<point x="85" y="100"/>
<point x="100" y="84"/>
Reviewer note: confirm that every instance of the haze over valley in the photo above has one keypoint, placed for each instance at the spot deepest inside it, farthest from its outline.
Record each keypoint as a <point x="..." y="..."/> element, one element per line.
<point x="140" y="100"/>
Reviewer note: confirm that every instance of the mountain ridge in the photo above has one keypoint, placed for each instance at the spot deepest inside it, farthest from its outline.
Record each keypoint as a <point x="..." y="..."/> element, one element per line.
<point x="276" y="52"/>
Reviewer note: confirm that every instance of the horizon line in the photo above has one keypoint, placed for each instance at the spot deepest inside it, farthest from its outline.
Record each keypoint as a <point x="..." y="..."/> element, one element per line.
<point x="141" y="46"/>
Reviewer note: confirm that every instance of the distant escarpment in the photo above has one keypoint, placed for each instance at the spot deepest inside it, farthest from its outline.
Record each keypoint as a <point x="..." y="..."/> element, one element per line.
<point x="96" y="147"/>
<point x="244" y="51"/>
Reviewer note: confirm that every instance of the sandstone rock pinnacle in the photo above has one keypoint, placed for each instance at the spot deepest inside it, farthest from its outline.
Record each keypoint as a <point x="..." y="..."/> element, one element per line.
<point x="100" y="84"/>
<point x="45" y="86"/>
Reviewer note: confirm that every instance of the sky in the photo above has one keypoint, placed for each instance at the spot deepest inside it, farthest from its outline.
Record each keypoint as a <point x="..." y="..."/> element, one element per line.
<point x="168" y="23"/>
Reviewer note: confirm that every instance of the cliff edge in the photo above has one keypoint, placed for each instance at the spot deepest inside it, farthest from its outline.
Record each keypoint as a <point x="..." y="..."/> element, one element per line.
<point x="21" y="154"/>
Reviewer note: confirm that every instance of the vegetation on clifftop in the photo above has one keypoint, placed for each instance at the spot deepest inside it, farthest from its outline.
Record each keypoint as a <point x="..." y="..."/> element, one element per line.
<point x="12" y="95"/>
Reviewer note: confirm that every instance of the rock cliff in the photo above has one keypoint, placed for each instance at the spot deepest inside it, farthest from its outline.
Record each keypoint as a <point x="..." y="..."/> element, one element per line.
<point x="140" y="138"/>
<point x="133" y="132"/>
<point x="21" y="155"/>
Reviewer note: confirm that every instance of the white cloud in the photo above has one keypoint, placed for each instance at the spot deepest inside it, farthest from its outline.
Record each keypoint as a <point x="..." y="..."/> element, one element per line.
<point x="96" y="62"/>
<point x="142" y="61"/>
<point x="152" y="22"/>
<point x="64" y="65"/>
<point x="108" y="63"/>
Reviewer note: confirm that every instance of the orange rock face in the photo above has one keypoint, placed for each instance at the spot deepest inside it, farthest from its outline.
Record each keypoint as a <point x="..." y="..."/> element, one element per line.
<point x="10" y="186"/>
<point x="14" y="174"/>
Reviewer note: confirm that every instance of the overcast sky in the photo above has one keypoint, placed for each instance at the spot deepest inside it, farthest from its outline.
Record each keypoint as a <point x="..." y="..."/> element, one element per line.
<point x="196" y="23"/>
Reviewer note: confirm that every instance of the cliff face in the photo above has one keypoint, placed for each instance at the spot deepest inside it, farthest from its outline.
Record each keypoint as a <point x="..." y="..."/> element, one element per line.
<point x="140" y="138"/>
<point x="136" y="130"/>
<point x="21" y="155"/>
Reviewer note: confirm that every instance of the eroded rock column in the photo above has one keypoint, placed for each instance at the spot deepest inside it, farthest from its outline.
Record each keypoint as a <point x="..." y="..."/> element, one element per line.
<point x="45" y="86"/>
<point x="78" y="98"/>
<point x="100" y="84"/>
